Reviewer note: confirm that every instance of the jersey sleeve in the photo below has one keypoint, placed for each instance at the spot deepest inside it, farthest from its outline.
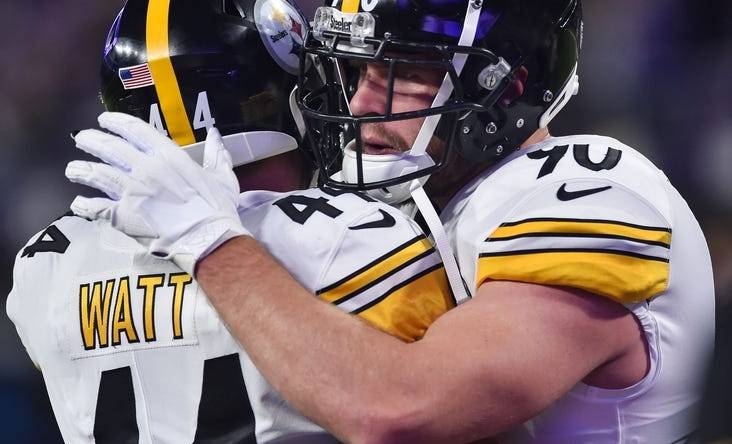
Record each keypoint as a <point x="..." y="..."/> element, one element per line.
<point x="33" y="276"/>
<point x="390" y="276"/>
<point x="20" y="303"/>
<point x="611" y="242"/>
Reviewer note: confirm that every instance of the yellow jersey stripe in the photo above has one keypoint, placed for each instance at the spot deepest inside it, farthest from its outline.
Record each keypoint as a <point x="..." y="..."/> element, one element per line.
<point x="622" y="276"/>
<point x="350" y="6"/>
<point x="578" y="227"/>
<point x="407" y="310"/>
<point x="161" y="68"/>
<point x="374" y="262"/>
<point x="378" y="270"/>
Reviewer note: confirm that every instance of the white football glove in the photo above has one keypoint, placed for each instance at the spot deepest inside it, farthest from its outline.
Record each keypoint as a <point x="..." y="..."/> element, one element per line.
<point x="157" y="194"/>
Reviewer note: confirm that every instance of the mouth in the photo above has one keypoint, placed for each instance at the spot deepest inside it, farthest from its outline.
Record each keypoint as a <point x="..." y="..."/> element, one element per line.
<point x="377" y="147"/>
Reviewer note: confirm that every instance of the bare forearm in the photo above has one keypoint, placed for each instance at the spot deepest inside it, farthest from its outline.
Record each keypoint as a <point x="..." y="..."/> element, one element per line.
<point x="322" y="360"/>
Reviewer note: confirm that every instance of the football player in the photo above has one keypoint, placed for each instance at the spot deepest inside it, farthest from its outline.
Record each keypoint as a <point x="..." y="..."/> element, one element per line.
<point x="592" y="305"/>
<point x="129" y="347"/>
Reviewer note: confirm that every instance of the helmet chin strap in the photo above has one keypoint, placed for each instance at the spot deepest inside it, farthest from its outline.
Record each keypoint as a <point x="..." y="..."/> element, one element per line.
<point x="442" y="243"/>
<point x="419" y="148"/>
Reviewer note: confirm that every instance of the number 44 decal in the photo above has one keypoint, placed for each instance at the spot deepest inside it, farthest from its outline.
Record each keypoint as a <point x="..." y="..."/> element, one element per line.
<point x="202" y="117"/>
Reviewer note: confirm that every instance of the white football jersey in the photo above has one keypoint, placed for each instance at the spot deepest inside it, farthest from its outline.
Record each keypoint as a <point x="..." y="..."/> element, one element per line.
<point x="132" y="351"/>
<point x="591" y="213"/>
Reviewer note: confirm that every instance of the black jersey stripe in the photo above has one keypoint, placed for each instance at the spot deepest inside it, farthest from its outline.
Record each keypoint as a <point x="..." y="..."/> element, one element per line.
<point x="580" y="235"/>
<point x="591" y="221"/>
<point x="574" y="250"/>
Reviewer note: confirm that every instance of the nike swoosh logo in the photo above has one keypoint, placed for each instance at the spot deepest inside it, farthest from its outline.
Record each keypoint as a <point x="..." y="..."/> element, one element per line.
<point x="386" y="221"/>
<point x="564" y="195"/>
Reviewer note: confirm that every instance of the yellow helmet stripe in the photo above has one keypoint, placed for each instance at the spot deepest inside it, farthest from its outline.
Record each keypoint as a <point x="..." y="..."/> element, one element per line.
<point x="161" y="68"/>
<point x="350" y="5"/>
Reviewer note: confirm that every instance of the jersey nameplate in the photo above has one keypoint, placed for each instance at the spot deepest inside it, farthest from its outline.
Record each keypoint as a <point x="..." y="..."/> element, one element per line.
<point x="128" y="312"/>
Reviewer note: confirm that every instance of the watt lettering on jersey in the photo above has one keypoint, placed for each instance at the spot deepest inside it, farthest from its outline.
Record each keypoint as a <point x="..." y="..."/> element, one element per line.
<point x="131" y="350"/>
<point x="591" y="213"/>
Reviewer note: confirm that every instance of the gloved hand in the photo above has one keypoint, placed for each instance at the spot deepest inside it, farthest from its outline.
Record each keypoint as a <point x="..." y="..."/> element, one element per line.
<point x="157" y="194"/>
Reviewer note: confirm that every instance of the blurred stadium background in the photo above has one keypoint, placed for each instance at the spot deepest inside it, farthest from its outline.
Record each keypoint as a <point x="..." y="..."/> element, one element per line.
<point x="654" y="74"/>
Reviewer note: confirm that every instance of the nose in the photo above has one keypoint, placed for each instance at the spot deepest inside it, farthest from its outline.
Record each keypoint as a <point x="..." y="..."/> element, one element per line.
<point x="370" y="95"/>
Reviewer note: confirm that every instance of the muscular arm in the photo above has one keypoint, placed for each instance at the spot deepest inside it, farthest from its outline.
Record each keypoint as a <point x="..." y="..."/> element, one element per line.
<point x="482" y="368"/>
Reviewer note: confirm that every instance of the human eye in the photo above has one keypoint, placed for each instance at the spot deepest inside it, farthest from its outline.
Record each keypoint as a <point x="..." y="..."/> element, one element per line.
<point x="417" y="79"/>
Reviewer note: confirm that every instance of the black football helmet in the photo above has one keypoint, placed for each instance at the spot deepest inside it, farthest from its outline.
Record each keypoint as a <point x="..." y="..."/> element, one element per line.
<point x="482" y="46"/>
<point x="187" y="65"/>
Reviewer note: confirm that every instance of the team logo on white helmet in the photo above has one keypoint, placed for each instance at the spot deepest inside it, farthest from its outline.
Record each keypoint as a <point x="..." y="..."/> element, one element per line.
<point x="282" y="29"/>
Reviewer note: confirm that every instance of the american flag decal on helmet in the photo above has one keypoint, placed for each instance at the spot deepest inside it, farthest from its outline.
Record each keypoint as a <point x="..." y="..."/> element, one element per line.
<point x="137" y="76"/>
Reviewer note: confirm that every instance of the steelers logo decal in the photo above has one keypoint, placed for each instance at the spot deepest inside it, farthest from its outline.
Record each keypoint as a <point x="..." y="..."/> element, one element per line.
<point x="282" y="29"/>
